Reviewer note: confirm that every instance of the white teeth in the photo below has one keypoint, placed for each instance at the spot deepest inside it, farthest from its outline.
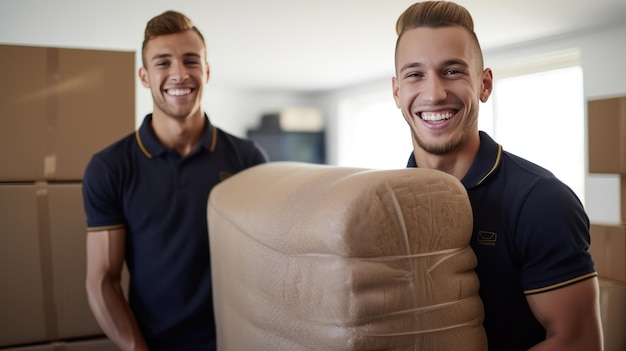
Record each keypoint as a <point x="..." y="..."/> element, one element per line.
<point x="178" y="92"/>
<point x="434" y="117"/>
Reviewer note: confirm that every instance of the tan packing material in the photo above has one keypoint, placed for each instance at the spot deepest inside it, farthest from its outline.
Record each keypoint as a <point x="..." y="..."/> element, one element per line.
<point x="311" y="257"/>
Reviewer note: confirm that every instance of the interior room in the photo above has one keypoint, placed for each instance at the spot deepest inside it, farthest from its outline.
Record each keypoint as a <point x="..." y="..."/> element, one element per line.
<point x="324" y="69"/>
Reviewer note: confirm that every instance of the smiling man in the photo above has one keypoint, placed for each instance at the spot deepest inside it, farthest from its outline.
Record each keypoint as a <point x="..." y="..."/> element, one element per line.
<point x="146" y="198"/>
<point x="531" y="233"/>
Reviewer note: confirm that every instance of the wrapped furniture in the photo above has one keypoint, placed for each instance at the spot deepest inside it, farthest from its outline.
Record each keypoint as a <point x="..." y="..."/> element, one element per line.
<point x="313" y="257"/>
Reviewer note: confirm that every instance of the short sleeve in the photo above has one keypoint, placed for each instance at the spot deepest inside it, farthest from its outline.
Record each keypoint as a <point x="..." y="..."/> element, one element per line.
<point x="102" y="195"/>
<point x="552" y="237"/>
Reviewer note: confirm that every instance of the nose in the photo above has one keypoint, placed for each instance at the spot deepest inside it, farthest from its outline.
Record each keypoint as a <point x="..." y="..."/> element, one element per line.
<point x="434" y="90"/>
<point x="178" y="72"/>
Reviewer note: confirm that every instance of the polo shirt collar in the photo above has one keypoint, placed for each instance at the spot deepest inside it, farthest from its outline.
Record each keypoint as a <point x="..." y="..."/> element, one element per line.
<point x="486" y="162"/>
<point x="151" y="147"/>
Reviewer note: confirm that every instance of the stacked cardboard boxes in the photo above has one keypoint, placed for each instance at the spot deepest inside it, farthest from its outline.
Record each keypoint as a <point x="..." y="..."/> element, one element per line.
<point x="607" y="154"/>
<point x="99" y="344"/>
<point x="57" y="107"/>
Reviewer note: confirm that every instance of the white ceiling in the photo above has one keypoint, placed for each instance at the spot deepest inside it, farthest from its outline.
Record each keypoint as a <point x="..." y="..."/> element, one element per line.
<point x="290" y="44"/>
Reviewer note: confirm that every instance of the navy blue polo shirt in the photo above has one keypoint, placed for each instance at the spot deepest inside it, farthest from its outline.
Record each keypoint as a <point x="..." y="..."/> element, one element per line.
<point x="160" y="198"/>
<point x="531" y="234"/>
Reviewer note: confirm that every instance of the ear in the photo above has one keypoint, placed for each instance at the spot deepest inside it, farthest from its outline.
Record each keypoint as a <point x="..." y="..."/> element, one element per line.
<point x="208" y="72"/>
<point x="143" y="77"/>
<point x="395" y="88"/>
<point x="487" y="85"/>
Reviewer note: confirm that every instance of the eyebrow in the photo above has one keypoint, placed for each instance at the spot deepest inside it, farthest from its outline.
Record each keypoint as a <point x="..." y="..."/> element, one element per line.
<point x="161" y="56"/>
<point x="447" y="63"/>
<point x="411" y="65"/>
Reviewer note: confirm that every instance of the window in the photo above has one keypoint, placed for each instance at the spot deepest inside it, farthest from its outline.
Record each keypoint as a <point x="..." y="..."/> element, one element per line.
<point x="539" y="115"/>
<point x="372" y="133"/>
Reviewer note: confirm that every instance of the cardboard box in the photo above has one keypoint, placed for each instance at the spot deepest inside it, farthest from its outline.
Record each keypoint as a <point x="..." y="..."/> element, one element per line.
<point x="44" y="347"/>
<point x="623" y="197"/>
<point x="606" y="127"/>
<point x="21" y="297"/>
<point x="71" y="104"/>
<point x="96" y="344"/>
<point x="42" y="256"/>
<point x="613" y="313"/>
<point x="101" y="344"/>
<point x="608" y="248"/>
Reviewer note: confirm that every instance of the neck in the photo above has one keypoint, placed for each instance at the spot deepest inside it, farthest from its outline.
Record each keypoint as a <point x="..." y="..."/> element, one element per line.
<point x="180" y="134"/>
<point x="456" y="163"/>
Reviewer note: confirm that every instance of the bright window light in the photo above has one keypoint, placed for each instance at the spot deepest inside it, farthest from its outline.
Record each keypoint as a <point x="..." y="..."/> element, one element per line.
<point x="373" y="133"/>
<point x="540" y="117"/>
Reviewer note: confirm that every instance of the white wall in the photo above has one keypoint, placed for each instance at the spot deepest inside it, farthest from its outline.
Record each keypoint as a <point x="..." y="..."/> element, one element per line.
<point x="604" y="54"/>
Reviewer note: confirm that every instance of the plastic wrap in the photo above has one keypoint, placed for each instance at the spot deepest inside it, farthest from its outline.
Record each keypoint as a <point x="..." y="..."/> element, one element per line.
<point x="311" y="257"/>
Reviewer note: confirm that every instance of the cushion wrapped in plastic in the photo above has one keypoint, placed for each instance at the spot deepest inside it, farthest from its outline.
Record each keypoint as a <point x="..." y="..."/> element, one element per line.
<point x="313" y="257"/>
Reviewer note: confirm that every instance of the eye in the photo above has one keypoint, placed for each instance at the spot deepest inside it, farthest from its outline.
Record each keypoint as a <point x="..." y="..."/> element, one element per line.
<point x="451" y="72"/>
<point x="413" y="75"/>
<point x="162" y="63"/>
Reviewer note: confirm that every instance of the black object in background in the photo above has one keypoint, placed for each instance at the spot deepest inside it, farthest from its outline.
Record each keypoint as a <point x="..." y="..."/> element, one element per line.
<point x="280" y="145"/>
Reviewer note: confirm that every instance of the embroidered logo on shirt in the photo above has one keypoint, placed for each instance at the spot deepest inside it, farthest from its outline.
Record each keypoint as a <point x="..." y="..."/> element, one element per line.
<point x="487" y="238"/>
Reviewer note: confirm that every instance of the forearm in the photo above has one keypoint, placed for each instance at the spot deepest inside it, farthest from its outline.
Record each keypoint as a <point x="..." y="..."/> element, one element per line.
<point x="114" y="315"/>
<point x="585" y="342"/>
<point x="571" y="317"/>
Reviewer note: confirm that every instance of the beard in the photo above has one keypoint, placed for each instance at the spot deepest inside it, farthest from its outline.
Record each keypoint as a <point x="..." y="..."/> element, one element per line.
<point x="437" y="149"/>
<point x="452" y="143"/>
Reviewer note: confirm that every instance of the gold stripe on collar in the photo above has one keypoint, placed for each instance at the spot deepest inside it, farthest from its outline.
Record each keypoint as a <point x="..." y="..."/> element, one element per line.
<point x="143" y="148"/>
<point x="214" y="140"/>
<point x="495" y="165"/>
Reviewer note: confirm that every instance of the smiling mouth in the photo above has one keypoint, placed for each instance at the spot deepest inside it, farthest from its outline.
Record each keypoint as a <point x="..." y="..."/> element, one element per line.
<point x="178" y="92"/>
<point x="435" y="117"/>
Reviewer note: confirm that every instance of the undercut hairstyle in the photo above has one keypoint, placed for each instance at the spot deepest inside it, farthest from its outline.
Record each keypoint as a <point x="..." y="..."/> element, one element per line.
<point x="436" y="14"/>
<point x="169" y="22"/>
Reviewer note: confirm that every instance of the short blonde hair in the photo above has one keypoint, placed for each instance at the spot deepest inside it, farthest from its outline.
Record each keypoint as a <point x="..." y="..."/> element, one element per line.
<point x="435" y="14"/>
<point x="169" y="22"/>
